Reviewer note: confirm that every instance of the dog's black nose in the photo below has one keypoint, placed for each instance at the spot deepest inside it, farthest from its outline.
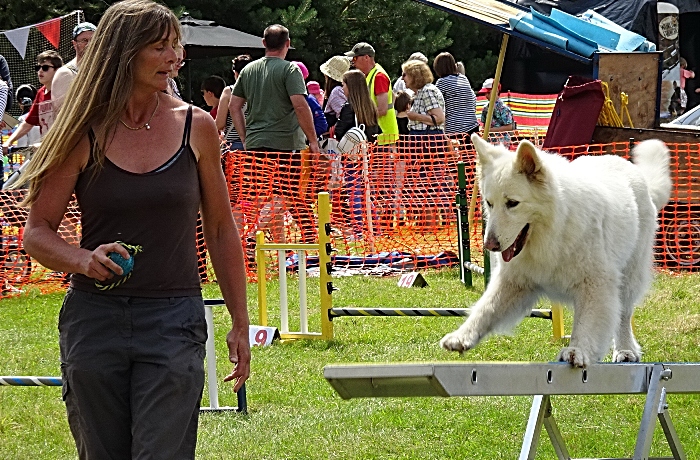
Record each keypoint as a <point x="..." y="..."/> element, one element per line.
<point x="492" y="244"/>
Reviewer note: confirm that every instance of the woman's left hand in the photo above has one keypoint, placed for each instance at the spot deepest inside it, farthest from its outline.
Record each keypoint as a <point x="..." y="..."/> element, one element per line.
<point x="239" y="355"/>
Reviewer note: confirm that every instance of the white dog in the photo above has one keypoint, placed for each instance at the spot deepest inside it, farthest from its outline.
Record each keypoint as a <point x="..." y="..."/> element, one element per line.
<point x="579" y="232"/>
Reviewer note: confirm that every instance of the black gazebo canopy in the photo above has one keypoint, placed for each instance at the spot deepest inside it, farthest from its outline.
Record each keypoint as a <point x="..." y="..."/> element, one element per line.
<point x="206" y="39"/>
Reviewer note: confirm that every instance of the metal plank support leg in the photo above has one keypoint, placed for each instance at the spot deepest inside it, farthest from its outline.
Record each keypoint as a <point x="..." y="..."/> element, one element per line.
<point x="655" y="406"/>
<point x="669" y="430"/>
<point x="555" y="436"/>
<point x="534" y="427"/>
<point x="541" y="414"/>
<point x="646" y="429"/>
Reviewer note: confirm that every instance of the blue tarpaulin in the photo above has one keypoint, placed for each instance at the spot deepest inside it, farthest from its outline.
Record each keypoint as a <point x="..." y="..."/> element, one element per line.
<point x="581" y="35"/>
<point x="627" y="41"/>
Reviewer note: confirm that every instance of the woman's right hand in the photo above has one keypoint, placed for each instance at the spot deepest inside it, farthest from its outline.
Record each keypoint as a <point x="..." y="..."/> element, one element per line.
<point x="99" y="266"/>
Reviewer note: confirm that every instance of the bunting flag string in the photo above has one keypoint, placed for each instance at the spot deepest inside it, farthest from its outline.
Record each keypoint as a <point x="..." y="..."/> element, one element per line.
<point x="50" y="29"/>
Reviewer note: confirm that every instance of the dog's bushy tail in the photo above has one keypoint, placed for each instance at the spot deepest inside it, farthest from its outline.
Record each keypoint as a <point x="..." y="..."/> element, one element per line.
<point x="653" y="158"/>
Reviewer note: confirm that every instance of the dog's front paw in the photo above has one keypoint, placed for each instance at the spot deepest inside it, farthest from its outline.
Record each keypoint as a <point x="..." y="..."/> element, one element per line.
<point x="626" y="356"/>
<point x="454" y="341"/>
<point x="574" y="356"/>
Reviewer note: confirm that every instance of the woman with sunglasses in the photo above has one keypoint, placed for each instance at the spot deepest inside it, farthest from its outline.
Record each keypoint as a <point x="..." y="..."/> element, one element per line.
<point x="41" y="114"/>
<point x="142" y="165"/>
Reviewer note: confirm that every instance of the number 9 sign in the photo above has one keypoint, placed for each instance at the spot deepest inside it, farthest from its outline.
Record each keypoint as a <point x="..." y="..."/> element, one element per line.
<point x="261" y="336"/>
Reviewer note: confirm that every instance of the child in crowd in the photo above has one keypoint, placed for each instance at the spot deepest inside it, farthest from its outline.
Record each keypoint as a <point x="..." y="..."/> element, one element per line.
<point x="402" y="103"/>
<point x="334" y="69"/>
<point x="212" y="87"/>
<point x="314" y="89"/>
<point x="685" y="74"/>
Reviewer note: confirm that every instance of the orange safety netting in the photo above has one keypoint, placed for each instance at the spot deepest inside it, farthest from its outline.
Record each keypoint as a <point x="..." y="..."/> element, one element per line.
<point x="386" y="198"/>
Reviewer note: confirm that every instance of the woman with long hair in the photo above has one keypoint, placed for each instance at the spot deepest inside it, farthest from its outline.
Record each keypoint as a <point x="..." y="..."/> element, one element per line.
<point x="142" y="165"/>
<point x="358" y="110"/>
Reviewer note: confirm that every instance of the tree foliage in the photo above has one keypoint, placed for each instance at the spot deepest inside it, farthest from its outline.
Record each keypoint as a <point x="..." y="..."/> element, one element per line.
<point x="20" y="13"/>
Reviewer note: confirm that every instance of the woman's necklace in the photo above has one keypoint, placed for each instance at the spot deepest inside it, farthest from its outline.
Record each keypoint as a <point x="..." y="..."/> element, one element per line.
<point x="146" y="125"/>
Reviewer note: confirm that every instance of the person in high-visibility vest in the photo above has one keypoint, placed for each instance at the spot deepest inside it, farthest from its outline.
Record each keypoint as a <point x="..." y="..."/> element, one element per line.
<point x="362" y="55"/>
<point x="379" y="83"/>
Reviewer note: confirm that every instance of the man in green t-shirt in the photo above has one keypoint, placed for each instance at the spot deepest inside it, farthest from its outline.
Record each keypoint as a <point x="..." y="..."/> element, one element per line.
<point x="278" y="116"/>
<point x="279" y="122"/>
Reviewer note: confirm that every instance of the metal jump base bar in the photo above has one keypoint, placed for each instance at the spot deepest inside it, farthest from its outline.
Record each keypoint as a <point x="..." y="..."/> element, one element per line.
<point x="540" y="380"/>
<point x="211" y="371"/>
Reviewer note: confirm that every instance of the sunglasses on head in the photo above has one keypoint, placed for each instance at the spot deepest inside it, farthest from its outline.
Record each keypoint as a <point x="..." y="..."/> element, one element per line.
<point x="44" y="67"/>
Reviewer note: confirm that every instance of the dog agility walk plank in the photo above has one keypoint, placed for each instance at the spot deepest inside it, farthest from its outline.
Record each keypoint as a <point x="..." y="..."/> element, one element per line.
<point x="504" y="379"/>
<point x="540" y="380"/>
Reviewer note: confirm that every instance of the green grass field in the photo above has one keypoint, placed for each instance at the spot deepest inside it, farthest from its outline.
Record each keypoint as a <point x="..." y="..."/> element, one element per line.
<point x="295" y="414"/>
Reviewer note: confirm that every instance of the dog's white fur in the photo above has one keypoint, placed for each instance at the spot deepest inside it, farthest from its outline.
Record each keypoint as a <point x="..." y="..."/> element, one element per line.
<point x="589" y="243"/>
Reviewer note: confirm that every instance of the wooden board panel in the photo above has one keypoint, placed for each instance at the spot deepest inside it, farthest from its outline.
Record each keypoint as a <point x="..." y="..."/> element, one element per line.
<point x="637" y="74"/>
<point x="489" y="11"/>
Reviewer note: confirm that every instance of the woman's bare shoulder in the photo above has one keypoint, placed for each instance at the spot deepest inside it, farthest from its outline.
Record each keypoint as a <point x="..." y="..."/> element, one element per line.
<point x="80" y="155"/>
<point x="205" y="136"/>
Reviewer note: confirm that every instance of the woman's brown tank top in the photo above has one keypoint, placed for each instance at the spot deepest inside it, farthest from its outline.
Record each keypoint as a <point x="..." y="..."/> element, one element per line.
<point x="156" y="211"/>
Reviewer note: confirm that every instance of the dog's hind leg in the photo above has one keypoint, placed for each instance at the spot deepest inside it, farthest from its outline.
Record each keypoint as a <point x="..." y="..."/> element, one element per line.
<point x="502" y="306"/>
<point x="632" y="290"/>
<point x="626" y="348"/>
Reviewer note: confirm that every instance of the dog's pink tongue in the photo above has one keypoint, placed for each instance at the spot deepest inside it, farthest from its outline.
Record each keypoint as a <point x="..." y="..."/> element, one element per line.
<point x="509" y="253"/>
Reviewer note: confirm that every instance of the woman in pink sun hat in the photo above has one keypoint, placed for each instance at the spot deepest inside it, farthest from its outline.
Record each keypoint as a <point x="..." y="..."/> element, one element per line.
<point x="303" y="68"/>
<point x="320" y="123"/>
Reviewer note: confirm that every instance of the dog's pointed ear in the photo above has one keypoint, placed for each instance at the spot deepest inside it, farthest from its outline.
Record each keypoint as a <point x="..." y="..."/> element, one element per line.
<point x="528" y="161"/>
<point x="485" y="151"/>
